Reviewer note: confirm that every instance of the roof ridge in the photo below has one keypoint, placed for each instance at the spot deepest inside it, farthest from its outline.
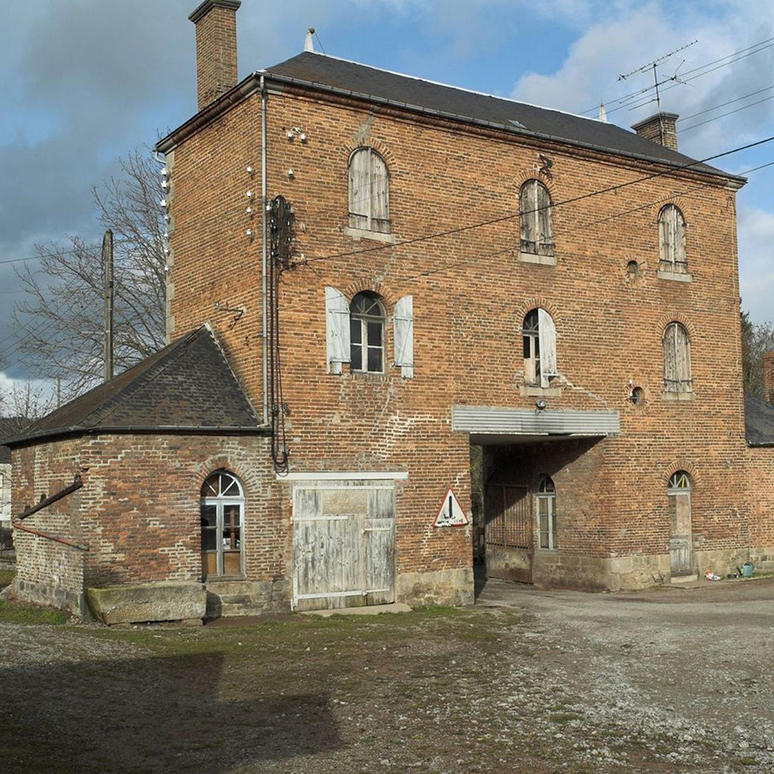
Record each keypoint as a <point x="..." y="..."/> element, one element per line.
<point x="223" y="355"/>
<point x="449" y="86"/>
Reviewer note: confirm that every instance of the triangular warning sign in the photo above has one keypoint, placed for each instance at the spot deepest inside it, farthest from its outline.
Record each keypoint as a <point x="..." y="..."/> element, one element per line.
<point x="450" y="513"/>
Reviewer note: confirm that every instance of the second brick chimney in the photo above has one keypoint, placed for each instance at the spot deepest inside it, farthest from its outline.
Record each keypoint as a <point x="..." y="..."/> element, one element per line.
<point x="660" y="128"/>
<point x="768" y="377"/>
<point x="216" y="48"/>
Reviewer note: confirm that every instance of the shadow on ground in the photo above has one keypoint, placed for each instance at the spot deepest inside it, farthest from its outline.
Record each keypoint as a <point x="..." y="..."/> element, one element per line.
<point x="155" y="714"/>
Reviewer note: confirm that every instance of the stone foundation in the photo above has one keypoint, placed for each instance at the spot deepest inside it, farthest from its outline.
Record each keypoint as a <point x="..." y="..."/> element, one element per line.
<point x="47" y="595"/>
<point x="726" y="561"/>
<point x="442" y="587"/>
<point x="233" y="598"/>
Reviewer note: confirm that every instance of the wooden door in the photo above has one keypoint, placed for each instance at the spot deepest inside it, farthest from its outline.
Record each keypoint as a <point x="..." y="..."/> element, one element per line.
<point x="343" y="546"/>
<point x="509" y="541"/>
<point x="680" y="552"/>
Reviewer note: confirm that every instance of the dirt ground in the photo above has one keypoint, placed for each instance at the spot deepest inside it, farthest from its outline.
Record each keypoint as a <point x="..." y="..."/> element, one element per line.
<point x="527" y="681"/>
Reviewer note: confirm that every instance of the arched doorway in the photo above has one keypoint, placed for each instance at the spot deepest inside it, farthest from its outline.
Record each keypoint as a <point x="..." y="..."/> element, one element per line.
<point x="222" y="524"/>
<point x="680" y="546"/>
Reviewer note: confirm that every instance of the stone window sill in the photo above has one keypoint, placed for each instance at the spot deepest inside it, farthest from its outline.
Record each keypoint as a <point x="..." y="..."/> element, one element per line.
<point x="542" y="260"/>
<point x="359" y="233"/>
<point x="674" y="276"/>
<point x="533" y="391"/>
<point x="679" y="396"/>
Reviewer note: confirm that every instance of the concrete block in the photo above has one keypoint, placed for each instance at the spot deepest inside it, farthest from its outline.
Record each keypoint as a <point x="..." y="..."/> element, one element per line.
<point x="147" y="602"/>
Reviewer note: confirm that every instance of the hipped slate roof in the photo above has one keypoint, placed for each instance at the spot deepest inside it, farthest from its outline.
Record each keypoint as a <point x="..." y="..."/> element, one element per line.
<point x="186" y="387"/>
<point x="759" y="421"/>
<point x="410" y="92"/>
<point x="8" y="427"/>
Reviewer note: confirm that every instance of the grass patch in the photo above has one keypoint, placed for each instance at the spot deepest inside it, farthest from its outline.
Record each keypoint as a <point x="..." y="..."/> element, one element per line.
<point x="12" y="612"/>
<point x="564" y="717"/>
<point x="6" y="577"/>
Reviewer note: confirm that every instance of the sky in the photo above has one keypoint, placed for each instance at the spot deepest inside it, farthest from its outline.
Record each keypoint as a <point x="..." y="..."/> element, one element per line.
<point x="87" y="81"/>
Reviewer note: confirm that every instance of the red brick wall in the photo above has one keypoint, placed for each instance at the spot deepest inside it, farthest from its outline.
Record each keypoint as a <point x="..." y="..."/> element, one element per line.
<point x="47" y="571"/>
<point x="467" y="316"/>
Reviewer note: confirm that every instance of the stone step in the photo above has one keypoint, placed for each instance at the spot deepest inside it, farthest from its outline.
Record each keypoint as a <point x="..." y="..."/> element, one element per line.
<point x="679" y="579"/>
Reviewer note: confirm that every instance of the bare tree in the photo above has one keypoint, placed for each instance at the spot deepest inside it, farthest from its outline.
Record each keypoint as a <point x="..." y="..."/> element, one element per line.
<point x="61" y="319"/>
<point x="756" y="340"/>
<point x="22" y="404"/>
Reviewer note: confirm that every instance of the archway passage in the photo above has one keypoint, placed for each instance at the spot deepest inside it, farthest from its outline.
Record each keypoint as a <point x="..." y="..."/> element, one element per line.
<point x="222" y="517"/>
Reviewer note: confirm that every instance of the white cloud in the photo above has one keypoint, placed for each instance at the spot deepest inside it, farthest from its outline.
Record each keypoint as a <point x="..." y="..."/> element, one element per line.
<point x="756" y="261"/>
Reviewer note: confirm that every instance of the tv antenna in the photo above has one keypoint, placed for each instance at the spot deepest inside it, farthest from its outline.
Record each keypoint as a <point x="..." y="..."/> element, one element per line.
<point x="653" y="66"/>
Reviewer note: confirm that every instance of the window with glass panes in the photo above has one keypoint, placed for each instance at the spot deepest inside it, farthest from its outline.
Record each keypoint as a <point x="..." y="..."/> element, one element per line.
<point x="531" y="333"/>
<point x="546" y="513"/>
<point x="222" y="517"/>
<point x="366" y="334"/>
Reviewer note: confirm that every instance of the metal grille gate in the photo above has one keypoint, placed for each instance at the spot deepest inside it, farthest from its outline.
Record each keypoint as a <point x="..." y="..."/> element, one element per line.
<point x="509" y="531"/>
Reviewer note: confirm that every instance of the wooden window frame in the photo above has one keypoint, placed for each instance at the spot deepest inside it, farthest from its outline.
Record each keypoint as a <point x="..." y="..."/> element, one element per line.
<point x="362" y="320"/>
<point x="373" y="224"/>
<point x="674" y="353"/>
<point x="220" y="502"/>
<point x="531" y="349"/>
<point x="672" y="252"/>
<point x="530" y="214"/>
<point x="546" y="495"/>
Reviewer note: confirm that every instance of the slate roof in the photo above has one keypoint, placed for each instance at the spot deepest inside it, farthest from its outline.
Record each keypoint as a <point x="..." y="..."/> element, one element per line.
<point x="360" y="80"/>
<point x="186" y="387"/>
<point x="8" y="427"/>
<point x="759" y="421"/>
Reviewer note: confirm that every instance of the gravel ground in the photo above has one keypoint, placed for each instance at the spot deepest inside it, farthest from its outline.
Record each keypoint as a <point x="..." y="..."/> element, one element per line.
<point x="527" y="681"/>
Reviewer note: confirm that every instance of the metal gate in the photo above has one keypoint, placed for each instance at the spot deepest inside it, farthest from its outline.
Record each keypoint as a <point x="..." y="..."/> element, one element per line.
<point x="343" y="545"/>
<point x="509" y="532"/>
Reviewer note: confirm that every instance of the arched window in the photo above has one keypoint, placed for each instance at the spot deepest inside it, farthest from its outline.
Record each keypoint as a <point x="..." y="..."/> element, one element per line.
<point x="677" y="359"/>
<point x="366" y="333"/>
<point x="369" y="191"/>
<point x="222" y="522"/>
<point x="539" y="342"/>
<point x="671" y="240"/>
<point x="535" y="207"/>
<point x="546" y="513"/>
<point x="680" y="540"/>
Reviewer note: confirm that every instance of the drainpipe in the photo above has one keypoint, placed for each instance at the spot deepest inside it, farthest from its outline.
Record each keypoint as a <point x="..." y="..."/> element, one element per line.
<point x="264" y="260"/>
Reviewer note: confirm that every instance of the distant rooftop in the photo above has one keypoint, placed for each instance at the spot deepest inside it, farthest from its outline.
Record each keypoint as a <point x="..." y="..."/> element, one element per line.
<point x="759" y="421"/>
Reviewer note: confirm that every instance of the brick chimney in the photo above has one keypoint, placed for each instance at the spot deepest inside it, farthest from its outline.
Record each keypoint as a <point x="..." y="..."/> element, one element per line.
<point x="660" y="128"/>
<point x="216" y="48"/>
<point x="768" y="377"/>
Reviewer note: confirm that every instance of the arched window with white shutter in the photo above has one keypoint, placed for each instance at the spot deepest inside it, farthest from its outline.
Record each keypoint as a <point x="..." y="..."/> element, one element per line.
<point x="535" y="215"/>
<point x="369" y="191"/>
<point x="677" y="359"/>
<point x="671" y="241"/>
<point x="539" y="342"/>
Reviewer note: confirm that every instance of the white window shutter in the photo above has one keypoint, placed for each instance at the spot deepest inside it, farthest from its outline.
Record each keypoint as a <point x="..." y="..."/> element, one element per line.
<point x="547" y="334"/>
<point x="403" y="330"/>
<point x="336" y="329"/>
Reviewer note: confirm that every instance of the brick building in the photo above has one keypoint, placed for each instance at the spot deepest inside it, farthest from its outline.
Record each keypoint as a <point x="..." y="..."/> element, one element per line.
<point x="462" y="276"/>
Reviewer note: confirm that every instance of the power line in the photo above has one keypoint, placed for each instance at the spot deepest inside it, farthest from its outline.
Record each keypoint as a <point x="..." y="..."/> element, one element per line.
<point x="760" y="46"/>
<point x="503" y="218"/>
<point x="729" y="113"/>
<point x="723" y="104"/>
<point x="478" y="259"/>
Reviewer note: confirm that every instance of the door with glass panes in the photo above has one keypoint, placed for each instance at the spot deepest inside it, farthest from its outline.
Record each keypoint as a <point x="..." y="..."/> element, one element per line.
<point x="222" y="524"/>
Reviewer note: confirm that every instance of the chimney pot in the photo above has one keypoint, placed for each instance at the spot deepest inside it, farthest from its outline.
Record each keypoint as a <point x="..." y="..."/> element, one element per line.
<point x="216" y="48"/>
<point x="660" y="128"/>
<point x="768" y="377"/>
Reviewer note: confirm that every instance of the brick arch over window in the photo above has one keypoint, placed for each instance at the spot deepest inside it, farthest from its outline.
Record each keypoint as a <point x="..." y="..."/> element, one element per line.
<point x="678" y="317"/>
<point x="377" y="145"/>
<point x="536" y="302"/>
<point x="535" y="173"/>
<point x="675" y="466"/>
<point x="250" y="479"/>
<point x="388" y="297"/>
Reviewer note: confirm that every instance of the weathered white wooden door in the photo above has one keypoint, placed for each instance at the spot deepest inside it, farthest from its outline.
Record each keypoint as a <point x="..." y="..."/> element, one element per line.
<point x="343" y="544"/>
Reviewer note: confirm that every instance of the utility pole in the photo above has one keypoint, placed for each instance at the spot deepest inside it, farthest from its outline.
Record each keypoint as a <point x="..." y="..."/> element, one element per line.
<point x="107" y="262"/>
